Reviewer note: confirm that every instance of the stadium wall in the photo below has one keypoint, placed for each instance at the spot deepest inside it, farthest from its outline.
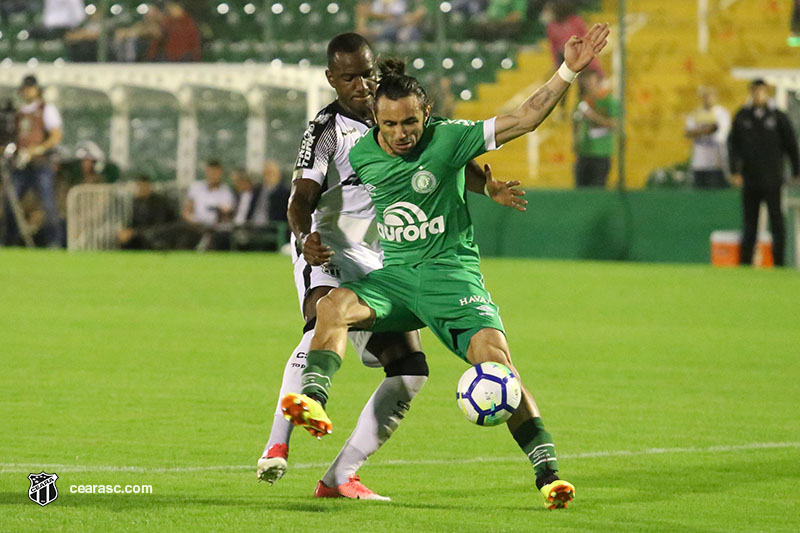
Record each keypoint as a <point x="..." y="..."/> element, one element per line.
<point x="657" y="226"/>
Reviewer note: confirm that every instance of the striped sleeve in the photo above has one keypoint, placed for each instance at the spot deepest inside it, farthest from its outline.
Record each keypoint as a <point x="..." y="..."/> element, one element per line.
<point x="316" y="149"/>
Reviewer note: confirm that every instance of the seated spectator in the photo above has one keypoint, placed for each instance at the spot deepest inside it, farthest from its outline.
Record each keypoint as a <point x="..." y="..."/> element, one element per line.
<point x="58" y="17"/>
<point x="153" y="216"/>
<point x="88" y="166"/>
<point x="271" y="197"/>
<point x="92" y="161"/>
<point x="179" y="38"/>
<point x="258" y="207"/>
<point x="390" y="20"/>
<point x="63" y="14"/>
<point x="708" y="126"/>
<point x="11" y="7"/>
<point x="209" y="204"/>
<point x="131" y="42"/>
<point x="82" y="42"/>
<point x="243" y="189"/>
<point x="210" y="201"/>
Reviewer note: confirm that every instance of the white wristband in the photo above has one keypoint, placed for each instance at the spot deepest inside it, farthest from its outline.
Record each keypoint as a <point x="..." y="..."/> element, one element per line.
<point x="566" y="74"/>
<point x="486" y="191"/>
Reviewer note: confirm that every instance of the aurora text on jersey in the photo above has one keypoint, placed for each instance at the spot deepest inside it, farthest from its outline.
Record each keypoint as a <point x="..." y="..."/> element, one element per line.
<point x="420" y="198"/>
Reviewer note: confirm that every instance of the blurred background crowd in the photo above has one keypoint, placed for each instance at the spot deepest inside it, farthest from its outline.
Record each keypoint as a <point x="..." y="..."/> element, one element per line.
<point x="477" y="56"/>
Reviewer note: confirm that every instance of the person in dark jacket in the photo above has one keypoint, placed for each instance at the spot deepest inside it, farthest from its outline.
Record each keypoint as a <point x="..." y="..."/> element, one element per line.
<point x="263" y="203"/>
<point x="153" y="216"/>
<point x="760" y="139"/>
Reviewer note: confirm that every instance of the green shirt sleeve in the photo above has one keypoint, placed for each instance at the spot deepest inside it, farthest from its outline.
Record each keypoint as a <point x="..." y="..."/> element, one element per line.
<point x="468" y="139"/>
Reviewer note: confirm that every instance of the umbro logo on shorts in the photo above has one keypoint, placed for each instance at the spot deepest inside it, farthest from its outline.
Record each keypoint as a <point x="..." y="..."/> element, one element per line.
<point x="405" y="222"/>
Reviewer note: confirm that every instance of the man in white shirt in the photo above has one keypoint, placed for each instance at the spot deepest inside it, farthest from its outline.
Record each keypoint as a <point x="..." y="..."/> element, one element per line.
<point x="708" y="126"/>
<point x="209" y="202"/>
<point x="37" y="128"/>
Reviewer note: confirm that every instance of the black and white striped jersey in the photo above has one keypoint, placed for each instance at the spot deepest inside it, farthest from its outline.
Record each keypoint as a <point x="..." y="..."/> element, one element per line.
<point x="344" y="216"/>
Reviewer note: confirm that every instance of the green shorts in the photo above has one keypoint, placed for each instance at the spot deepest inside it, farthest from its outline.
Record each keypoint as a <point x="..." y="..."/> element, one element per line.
<point x="446" y="296"/>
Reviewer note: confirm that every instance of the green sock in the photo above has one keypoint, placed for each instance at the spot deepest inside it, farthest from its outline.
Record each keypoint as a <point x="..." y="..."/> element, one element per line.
<point x="537" y="444"/>
<point x="321" y="365"/>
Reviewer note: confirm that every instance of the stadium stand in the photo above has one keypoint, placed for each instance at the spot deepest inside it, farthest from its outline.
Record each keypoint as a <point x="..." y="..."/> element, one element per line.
<point x="742" y="33"/>
<point x="485" y="77"/>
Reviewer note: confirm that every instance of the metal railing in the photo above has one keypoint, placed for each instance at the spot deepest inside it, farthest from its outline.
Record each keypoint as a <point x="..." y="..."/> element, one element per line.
<point x="96" y="213"/>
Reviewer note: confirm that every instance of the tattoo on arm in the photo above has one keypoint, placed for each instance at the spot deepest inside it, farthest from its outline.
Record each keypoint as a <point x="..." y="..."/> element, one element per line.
<point x="542" y="99"/>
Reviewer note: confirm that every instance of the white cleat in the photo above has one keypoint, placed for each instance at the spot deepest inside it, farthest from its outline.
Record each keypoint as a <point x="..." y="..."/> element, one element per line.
<point x="273" y="465"/>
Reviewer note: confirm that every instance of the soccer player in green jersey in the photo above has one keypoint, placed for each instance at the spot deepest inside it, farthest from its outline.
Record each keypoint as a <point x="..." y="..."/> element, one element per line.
<point x="413" y="169"/>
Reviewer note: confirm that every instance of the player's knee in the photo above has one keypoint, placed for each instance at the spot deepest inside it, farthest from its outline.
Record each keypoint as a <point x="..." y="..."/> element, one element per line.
<point x="496" y="354"/>
<point x="414" y="364"/>
<point x="331" y="310"/>
<point x="489" y="345"/>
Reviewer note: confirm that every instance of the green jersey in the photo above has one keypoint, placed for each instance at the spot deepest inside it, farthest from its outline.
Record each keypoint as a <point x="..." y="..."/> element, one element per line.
<point x="420" y="198"/>
<point x="592" y="139"/>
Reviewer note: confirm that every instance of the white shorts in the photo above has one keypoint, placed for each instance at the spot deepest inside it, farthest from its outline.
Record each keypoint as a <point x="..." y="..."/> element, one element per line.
<point x="307" y="277"/>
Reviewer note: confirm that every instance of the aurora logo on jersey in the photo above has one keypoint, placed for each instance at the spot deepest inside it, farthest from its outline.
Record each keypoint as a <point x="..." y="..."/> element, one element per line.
<point x="405" y="222"/>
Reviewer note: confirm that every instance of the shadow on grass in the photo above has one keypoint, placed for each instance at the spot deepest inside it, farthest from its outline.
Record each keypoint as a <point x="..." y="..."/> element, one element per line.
<point x="120" y="502"/>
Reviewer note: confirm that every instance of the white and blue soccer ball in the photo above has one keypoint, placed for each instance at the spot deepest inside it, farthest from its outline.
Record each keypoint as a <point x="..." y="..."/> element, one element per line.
<point x="488" y="394"/>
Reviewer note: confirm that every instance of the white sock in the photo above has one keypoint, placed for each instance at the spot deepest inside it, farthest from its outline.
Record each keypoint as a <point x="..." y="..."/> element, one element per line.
<point x="378" y="420"/>
<point x="281" y="428"/>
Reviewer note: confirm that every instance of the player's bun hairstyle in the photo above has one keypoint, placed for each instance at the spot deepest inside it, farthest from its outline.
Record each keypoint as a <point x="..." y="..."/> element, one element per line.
<point x="396" y="84"/>
<point x="346" y="43"/>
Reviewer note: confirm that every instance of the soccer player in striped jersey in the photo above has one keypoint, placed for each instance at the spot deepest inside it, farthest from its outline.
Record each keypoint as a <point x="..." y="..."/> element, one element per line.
<point x="335" y="240"/>
<point x="413" y="169"/>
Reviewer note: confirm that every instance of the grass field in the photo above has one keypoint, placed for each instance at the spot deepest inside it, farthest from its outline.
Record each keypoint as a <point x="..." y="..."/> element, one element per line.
<point x="672" y="393"/>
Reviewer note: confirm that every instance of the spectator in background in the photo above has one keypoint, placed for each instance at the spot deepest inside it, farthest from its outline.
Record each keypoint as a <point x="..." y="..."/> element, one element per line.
<point x="92" y="162"/>
<point x="61" y="15"/>
<point x="152" y="216"/>
<point x="207" y="213"/>
<point x="563" y="21"/>
<point x="37" y="132"/>
<point x="179" y="38"/>
<point x="244" y="191"/>
<point x="210" y="201"/>
<point x="760" y="138"/>
<point x="396" y="21"/>
<point x="10" y="7"/>
<point x="708" y="126"/>
<point x="131" y="42"/>
<point x="273" y="197"/>
<point x="503" y="19"/>
<point x="89" y="165"/>
<point x="261" y="204"/>
<point x="794" y="40"/>
<point x="594" y="123"/>
<point x="82" y="42"/>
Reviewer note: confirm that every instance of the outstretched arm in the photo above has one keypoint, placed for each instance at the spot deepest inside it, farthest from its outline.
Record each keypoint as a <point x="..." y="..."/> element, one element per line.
<point x="480" y="181"/>
<point x="578" y="53"/>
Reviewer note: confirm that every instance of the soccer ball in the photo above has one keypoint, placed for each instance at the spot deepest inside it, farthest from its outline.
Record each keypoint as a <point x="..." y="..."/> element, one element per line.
<point x="488" y="394"/>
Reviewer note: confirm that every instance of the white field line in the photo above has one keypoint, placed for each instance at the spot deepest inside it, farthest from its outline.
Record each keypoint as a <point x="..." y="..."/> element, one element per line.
<point x="59" y="468"/>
